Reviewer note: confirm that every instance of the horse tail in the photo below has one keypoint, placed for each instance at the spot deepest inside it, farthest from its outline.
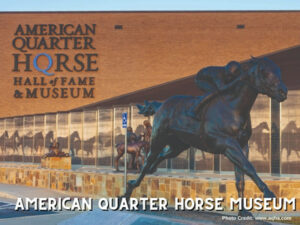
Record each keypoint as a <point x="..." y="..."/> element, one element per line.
<point x="149" y="108"/>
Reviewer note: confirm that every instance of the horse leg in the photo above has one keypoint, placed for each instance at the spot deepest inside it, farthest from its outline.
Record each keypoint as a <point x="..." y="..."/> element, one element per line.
<point x="157" y="145"/>
<point x="137" y="154"/>
<point x="167" y="153"/>
<point x="120" y="154"/>
<point x="147" y="149"/>
<point x="132" y="161"/>
<point x="143" y="159"/>
<point x="240" y="182"/>
<point x="234" y="153"/>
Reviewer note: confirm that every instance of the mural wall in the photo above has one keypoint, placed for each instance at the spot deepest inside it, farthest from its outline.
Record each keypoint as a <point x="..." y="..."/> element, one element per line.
<point x="290" y="133"/>
<point x="90" y="137"/>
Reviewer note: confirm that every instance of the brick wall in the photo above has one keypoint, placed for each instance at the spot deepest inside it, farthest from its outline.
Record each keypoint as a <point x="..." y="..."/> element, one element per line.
<point x="152" y="48"/>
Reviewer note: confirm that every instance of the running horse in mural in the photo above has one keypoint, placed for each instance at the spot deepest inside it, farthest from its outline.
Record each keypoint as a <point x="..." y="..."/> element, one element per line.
<point x="221" y="127"/>
<point x="261" y="138"/>
<point x="3" y="137"/>
<point x="13" y="141"/>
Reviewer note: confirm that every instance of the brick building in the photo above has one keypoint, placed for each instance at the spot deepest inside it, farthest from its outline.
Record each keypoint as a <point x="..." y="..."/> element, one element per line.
<point x="150" y="55"/>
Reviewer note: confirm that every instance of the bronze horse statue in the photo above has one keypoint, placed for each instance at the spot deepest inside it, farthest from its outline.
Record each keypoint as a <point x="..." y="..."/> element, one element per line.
<point x="134" y="149"/>
<point x="221" y="127"/>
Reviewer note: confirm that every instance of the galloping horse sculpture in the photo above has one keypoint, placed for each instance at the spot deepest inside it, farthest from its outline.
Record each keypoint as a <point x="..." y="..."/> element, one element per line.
<point x="221" y="127"/>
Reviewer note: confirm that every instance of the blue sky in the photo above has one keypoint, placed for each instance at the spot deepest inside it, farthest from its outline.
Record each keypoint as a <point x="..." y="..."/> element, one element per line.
<point x="140" y="5"/>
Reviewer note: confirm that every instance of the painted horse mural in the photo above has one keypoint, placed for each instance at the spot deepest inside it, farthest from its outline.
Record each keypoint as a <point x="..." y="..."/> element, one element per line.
<point x="221" y="127"/>
<point x="13" y="141"/>
<point x="38" y="141"/>
<point x="3" y="137"/>
<point x="261" y="138"/>
<point x="290" y="137"/>
<point x="75" y="143"/>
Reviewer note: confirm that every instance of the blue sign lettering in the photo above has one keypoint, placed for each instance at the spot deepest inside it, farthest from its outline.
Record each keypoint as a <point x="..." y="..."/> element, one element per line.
<point x="48" y="67"/>
<point x="124" y="120"/>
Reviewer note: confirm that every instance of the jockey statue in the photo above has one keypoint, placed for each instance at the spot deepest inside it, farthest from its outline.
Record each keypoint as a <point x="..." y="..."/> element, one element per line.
<point x="131" y="136"/>
<point x="211" y="80"/>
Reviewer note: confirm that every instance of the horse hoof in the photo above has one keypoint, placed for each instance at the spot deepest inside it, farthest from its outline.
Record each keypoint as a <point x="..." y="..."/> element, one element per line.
<point x="269" y="194"/>
<point x="120" y="198"/>
<point x="245" y="213"/>
<point x="131" y="184"/>
<point x="152" y="170"/>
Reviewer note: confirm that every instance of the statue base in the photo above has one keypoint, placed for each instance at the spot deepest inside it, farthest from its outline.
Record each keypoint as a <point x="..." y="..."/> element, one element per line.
<point x="63" y="163"/>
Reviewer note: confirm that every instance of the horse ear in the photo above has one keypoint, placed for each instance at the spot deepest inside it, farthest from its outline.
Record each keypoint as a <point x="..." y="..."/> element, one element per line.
<point x="254" y="58"/>
<point x="140" y="107"/>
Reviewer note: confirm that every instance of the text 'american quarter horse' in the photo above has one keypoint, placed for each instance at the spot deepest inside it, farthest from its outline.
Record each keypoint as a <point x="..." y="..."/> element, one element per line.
<point x="218" y="123"/>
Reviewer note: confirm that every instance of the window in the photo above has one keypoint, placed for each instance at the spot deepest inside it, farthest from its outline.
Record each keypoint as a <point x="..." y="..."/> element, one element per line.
<point x="240" y="26"/>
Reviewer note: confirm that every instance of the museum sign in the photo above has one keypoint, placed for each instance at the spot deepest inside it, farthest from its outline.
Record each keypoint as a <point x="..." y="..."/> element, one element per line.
<point x="54" y="61"/>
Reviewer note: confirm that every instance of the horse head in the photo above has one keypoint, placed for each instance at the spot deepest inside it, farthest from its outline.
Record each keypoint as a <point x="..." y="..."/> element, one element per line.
<point x="74" y="136"/>
<point x="264" y="126"/>
<point x="5" y="134"/>
<point x="16" y="134"/>
<point x="16" y="137"/>
<point x="291" y="127"/>
<point x="49" y="137"/>
<point x="265" y="76"/>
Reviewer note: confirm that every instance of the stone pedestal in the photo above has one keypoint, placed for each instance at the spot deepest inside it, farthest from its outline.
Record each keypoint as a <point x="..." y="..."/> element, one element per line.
<point x="56" y="163"/>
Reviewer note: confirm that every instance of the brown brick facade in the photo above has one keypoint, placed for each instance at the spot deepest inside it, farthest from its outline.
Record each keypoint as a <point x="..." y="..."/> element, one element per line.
<point x="152" y="48"/>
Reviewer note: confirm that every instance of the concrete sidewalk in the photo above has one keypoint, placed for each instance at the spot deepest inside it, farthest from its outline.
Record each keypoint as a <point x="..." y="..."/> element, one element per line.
<point x="8" y="216"/>
<point x="99" y="217"/>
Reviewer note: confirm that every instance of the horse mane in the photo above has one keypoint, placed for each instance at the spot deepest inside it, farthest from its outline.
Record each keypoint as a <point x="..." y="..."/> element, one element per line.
<point x="291" y="125"/>
<point x="249" y="63"/>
